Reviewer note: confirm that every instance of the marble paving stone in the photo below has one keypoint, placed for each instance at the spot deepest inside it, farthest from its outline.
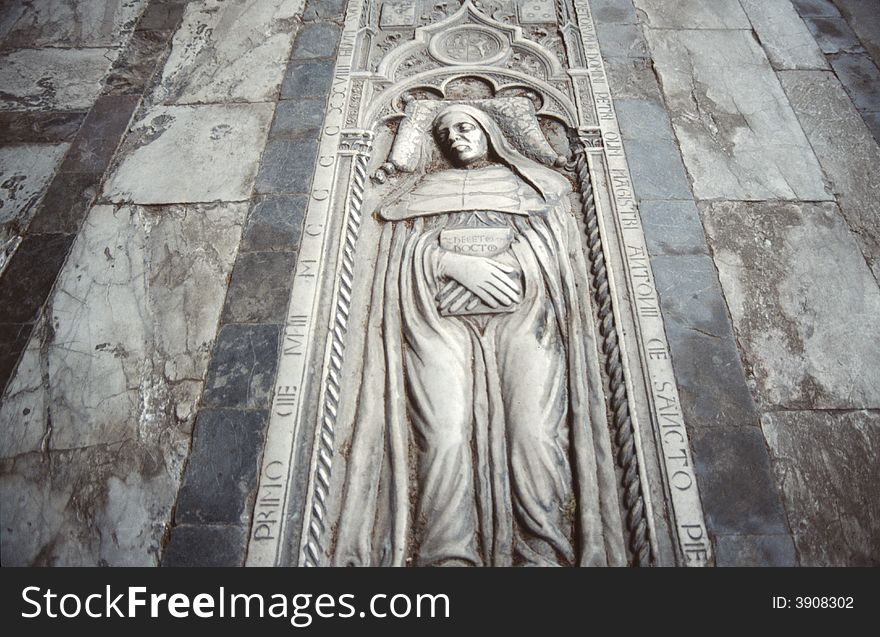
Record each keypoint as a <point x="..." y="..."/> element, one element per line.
<point x="693" y="14"/>
<point x="161" y="16"/>
<point x="826" y="465"/>
<point x="755" y="550"/>
<point x="784" y="35"/>
<point x="259" y="288"/>
<point x="52" y="79"/>
<point x="657" y="171"/>
<point x="613" y="11"/>
<point x="860" y="78"/>
<point x="308" y="79"/>
<point x="106" y="505"/>
<point x="846" y="149"/>
<point x="28" y="127"/>
<point x="229" y="51"/>
<point x="274" y="224"/>
<point x="179" y="154"/>
<point x="707" y="364"/>
<point x="316" y="40"/>
<point x="119" y="370"/>
<point x="137" y="63"/>
<point x="206" y="545"/>
<point x="65" y="203"/>
<point x="805" y="307"/>
<point x="642" y="119"/>
<point x="324" y="9"/>
<point x="816" y="8"/>
<point x="13" y="342"/>
<point x="737" y="485"/>
<point x="864" y="17"/>
<point x="25" y="170"/>
<point x="834" y="35"/>
<point x="132" y="321"/>
<point x="287" y="166"/>
<point x="298" y="118"/>
<point x="74" y="23"/>
<point x="872" y="121"/>
<point x="243" y="367"/>
<point x="29" y="276"/>
<point x="632" y="78"/>
<point x="623" y="40"/>
<point x="100" y="134"/>
<point x="739" y="137"/>
<point x="222" y="471"/>
<point x="672" y="228"/>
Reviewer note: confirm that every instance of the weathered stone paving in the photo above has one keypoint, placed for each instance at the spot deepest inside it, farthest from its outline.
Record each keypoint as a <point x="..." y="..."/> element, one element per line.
<point x="155" y="160"/>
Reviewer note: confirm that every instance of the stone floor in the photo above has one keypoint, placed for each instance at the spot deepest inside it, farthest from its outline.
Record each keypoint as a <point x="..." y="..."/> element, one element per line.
<point x="154" y="156"/>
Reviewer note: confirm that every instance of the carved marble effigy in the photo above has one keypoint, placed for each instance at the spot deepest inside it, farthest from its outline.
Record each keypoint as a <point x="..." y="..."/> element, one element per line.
<point x="474" y="368"/>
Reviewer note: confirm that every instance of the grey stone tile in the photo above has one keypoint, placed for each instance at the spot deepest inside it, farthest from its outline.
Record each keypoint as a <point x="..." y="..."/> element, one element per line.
<point x="737" y="486"/>
<point x="25" y="170"/>
<point x="259" y="288"/>
<point x="30" y="275"/>
<point x="783" y="35"/>
<point x="221" y="474"/>
<point x="206" y="545"/>
<point x="287" y="166"/>
<point x="308" y="79"/>
<point x="632" y="78"/>
<point x="739" y="137"/>
<point x="274" y="224"/>
<point x="846" y="150"/>
<point x="864" y="18"/>
<point x="622" y="40"/>
<point x="23" y="127"/>
<point x="826" y="466"/>
<point x="755" y="550"/>
<point x="65" y="203"/>
<point x="298" y="118"/>
<point x="834" y="35"/>
<point x="613" y="12"/>
<point x="137" y="63"/>
<point x="860" y="78"/>
<point x="805" y="307"/>
<point x="243" y="367"/>
<point x="324" y="10"/>
<point x="52" y="79"/>
<point x="816" y="8"/>
<point x="74" y="23"/>
<point x="100" y="134"/>
<point x="183" y="154"/>
<point x="228" y="51"/>
<point x="657" y="170"/>
<point x="316" y="40"/>
<point x="672" y="228"/>
<point x="643" y="119"/>
<point x="708" y="369"/>
<point x="692" y="14"/>
<point x="872" y="121"/>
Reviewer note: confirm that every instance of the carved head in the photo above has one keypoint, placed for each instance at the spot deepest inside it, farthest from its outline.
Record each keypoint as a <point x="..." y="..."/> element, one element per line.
<point x="461" y="137"/>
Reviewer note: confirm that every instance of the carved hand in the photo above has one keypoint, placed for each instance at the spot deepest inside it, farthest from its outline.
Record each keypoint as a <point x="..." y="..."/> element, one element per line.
<point x="487" y="279"/>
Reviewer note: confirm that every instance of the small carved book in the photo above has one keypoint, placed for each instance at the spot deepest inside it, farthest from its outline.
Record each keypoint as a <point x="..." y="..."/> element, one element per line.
<point x="479" y="242"/>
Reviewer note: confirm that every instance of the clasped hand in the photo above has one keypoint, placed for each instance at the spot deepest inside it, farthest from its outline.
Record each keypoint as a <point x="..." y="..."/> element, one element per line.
<point x="476" y="279"/>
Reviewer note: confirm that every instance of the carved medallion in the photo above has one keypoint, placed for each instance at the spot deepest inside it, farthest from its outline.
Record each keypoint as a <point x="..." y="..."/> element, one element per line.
<point x="469" y="44"/>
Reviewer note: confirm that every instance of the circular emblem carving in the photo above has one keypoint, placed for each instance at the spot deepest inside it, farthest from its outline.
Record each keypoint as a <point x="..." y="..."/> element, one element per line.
<point x="468" y="44"/>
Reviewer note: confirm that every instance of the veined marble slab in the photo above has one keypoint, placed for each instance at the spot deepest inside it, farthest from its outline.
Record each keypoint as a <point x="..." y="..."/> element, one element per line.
<point x="97" y="420"/>
<point x="783" y="34"/>
<point x="693" y="14"/>
<point x="229" y="51"/>
<point x="73" y="23"/>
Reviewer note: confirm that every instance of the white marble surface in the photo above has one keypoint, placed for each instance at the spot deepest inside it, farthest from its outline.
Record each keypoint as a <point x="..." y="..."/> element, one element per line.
<point x="739" y="138"/>
<point x="229" y="51"/>
<point x="71" y="23"/>
<point x="783" y="34"/>
<point x="97" y="420"/>
<point x="693" y="14"/>
<point x="178" y="154"/>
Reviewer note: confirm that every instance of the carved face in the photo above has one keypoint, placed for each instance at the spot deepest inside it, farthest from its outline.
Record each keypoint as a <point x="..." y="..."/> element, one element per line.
<point x="461" y="138"/>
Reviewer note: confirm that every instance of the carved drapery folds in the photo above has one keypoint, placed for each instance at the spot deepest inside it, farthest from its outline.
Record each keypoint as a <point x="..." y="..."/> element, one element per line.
<point x="475" y="399"/>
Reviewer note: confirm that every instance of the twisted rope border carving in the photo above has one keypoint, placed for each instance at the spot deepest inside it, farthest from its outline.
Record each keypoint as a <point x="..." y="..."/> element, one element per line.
<point x="361" y="147"/>
<point x="636" y="522"/>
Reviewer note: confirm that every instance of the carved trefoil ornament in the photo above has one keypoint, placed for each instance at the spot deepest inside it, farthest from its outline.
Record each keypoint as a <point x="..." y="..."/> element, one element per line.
<point x="474" y="369"/>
